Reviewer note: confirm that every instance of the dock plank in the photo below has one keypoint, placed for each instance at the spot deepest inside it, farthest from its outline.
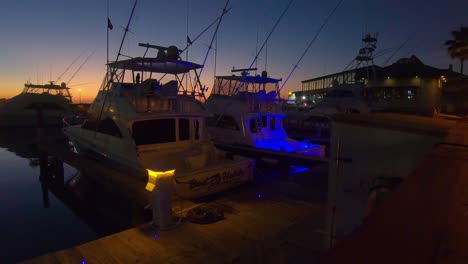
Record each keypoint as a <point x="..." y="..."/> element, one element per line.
<point x="254" y="231"/>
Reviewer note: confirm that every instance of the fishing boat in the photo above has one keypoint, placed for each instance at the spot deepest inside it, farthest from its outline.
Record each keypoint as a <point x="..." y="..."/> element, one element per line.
<point x="44" y="103"/>
<point x="146" y="118"/>
<point x="248" y="113"/>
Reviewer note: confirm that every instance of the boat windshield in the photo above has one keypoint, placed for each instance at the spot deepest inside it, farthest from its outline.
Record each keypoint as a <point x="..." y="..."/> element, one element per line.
<point x="232" y="85"/>
<point x="166" y="130"/>
<point x="155" y="131"/>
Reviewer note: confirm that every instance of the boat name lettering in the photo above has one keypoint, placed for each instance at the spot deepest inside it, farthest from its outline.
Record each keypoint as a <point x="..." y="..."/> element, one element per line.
<point x="217" y="179"/>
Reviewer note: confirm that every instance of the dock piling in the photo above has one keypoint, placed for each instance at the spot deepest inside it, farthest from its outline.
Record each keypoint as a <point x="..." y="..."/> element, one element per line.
<point x="161" y="198"/>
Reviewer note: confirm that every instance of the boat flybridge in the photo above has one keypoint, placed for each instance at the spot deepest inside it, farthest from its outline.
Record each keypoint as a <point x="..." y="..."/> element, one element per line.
<point x="51" y="99"/>
<point x="247" y="115"/>
<point x="145" y="118"/>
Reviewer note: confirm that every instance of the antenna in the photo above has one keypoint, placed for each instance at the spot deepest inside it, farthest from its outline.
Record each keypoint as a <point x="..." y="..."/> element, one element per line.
<point x="263" y="45"/>
<point x="256" y="48"/>
<point x="216" y="55"/>
<point x="126" y="29"/>
<point x="310" y="44"/>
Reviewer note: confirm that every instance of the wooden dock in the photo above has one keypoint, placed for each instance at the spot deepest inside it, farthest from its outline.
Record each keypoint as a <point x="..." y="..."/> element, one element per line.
<point x="274" y="222"/>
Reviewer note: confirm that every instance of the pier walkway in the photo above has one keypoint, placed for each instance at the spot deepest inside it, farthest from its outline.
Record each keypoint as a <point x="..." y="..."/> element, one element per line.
<point x="274" y="222"/>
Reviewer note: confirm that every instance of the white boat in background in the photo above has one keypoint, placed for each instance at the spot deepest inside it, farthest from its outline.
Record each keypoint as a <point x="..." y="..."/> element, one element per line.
<point x="347" y="97"/>
<point x="249" y="116"/>
<point x="23" y="110"/>
<point x="146" y="119"/>
<point x="343" y="98"/>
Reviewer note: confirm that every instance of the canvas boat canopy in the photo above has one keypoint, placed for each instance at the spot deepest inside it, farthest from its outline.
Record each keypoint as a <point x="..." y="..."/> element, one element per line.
<point x="249" y="79"/>
<point x="169" y="66"/>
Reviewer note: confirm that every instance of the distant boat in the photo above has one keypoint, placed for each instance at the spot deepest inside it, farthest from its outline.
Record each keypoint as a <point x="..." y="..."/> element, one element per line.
<point x="23" y="110"/>
<point x="246" y="115"/>
<point x="346" y="97"/>
<point x="145" y="119"/>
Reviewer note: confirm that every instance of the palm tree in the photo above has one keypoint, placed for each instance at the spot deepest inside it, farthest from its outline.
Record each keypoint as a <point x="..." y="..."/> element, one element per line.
<point x="458" y="46"/>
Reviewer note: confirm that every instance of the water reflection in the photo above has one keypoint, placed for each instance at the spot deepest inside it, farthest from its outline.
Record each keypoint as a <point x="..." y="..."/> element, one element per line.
<point x="53" y="206"/>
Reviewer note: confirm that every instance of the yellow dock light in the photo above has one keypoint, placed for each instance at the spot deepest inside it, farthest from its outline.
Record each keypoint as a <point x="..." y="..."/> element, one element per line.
<point x="154" y="175"/>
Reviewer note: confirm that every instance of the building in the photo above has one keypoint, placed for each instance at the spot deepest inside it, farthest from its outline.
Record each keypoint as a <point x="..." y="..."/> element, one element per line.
<point x="408" y="85"/>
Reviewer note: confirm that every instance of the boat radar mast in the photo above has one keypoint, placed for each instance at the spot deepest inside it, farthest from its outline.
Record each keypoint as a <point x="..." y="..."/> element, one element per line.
<point x="366" y="53"/>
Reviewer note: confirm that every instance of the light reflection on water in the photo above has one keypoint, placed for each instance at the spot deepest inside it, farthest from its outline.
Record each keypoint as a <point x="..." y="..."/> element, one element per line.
<point x="31" y="225"/>
<point x="27" y="227"/>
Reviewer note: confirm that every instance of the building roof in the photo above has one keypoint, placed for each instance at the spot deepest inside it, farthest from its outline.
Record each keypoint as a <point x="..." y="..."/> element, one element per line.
<point x="360" y="72"/>
<point x="413" y="66"/>
<point x="402" y="68"/>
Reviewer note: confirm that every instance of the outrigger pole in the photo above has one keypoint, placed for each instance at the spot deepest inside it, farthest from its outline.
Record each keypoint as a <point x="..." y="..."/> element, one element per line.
<point x="225" y="11"/>
<point x="310" y="44"/>
<point x="69" y="66"/>
<point x="263" y="45"/>
<point x="81" y="66"/>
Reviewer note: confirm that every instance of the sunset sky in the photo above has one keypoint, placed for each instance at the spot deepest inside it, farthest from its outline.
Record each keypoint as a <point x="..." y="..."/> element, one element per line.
<point x="39" y="39"/>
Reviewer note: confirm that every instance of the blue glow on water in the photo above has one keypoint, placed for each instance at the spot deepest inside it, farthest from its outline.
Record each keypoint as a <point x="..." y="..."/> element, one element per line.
<point x="297" y="169"/>
<point x="155" y="236"/>
<point x="286" y="145"/>
<point x="83" y="262"/>
<point x="259" y="196"/>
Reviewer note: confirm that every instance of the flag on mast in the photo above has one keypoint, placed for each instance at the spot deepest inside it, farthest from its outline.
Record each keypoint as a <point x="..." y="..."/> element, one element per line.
<point x="109" y="24"/>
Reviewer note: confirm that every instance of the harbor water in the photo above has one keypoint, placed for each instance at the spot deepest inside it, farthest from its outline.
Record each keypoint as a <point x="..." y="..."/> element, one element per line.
<point x="37" y="219"/>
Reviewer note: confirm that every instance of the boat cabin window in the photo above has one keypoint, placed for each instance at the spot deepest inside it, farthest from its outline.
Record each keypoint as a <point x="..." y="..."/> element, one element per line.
<point x="264" y="121"/>
<point x="106" y="126"/>
<point x="223" y="121"/>
<point x="253" y="125"/>
<point x="154" y="131"/>
<point x="272" y="123"/>
<point x="184" y="129"/>
<point x="257" y="123"/>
